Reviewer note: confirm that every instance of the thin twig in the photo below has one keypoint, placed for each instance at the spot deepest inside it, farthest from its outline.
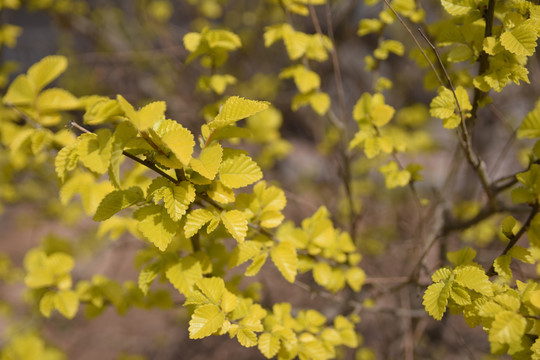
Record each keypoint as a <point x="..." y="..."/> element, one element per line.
<point x="514" y="239"/>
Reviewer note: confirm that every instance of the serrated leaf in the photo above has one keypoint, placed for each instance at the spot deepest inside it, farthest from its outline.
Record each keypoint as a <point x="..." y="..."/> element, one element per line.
<point x="238" y="171"/>
<point x="458" y="7"/>
<point x="123" y="133"/>
<point x="460" y="295"/>
<point x="258" y="262"/>
<point x="67" y="303"/>
<point x="180" y="141"/>
<point x="244" y="251"/>
<point x="286" y="260"/>
<point x="521" y="40"/>
<point x="116" y="201"/>
<point x="156" y="225"/>
<point x="246" y="337"/>
<point x="147" y="276"/>
<point x="268" y="344"/>
<point x="436" y="299"/>
<point x="507" y="328"/>
<point x="209" y="161"/>
<point x="46" y="70"/>
<point x="195" y="220"/>
<point x="185" y="274"/>
<point x="176" y="198"/>
<point x="236" y="108"/>
<point x="236" y="224"/>
<point x="66" y="160"/>
<point x="229" y="301"/>
<point x="95" y="150"/>
<point x="206" y="320"/>
<point x="220" y="193"/>
<point x="501" y="265"/>
<point x="213" y="288"/>
<point x="473" y="278"/>
<point x="146" y="117"/>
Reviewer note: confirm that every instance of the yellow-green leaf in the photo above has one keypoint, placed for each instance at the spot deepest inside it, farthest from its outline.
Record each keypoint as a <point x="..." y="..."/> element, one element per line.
<point x="156" y="225"/>
<point x="195" y="220"/>
<point x="436" y="299"/>
<point x="184" y="274"/>
<point x="55" y="99"/>
<point x="507" y="328"/>
<point x="238" y="171"/>
<point x="236" y="108"/>
<point x="521" y="40"/>
<point x="209" y="161"/>
<point x="268" y="344"/>
<point x="286" y="260"/>
<point x="473" y="278"/>
<point x="176" y="198"/>
<point x="67" y="303"/>
<point x="95" y="150"/>
<point x="355" y="277"/>
<point x="236" y="224"/>
<point x="206" y="320"/>
<point x="20" y="92"/>
<point x="46" y="70"/>
<point x="246" y="337"/>
<point x="213" y="288"/>
<point x="180" y="141"/>
<point x="116" y="201"/>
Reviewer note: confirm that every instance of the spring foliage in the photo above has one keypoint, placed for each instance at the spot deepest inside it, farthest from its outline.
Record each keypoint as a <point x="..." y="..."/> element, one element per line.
<point x="202" y="207"/>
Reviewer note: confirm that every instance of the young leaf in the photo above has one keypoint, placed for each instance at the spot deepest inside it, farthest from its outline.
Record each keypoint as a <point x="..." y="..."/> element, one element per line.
<point x="436" y="299"/>
<point x="507" y="328"/>
<point x="268" y="344"/>
<point x="206" y="320"/>
<point x="176" y="198"/>
<point x="180" y="141"/>
<point x="236" y="224"/>
<point x="246" y="338"/>
<point x="213" y="288"/>
<point x="52" y="100"/>
<point x="185" y="274"/>
<point x="208" y="162"/>
<point x="20" y="92"/>
<point x="156" y="225"/>
<point x="355" y="277"/>
<point x="521" y="40"/>
<point x="67" y="303"/>
<point x="95" y="150"/>
<point x="116" y="201"/>
<point x="46" y="70"/>
<point x="238" y="171"/>
<point x="236" y="108"/>
<point x="473" y="278"/>
<point x="284" y="257"/>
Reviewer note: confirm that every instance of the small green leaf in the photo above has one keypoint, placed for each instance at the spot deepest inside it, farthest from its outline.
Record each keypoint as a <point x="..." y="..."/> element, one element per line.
<point x="176" y="198"/>
<point x="355" y="277"/>
<point x="246" y="337"/>
<point x="473" y="278"/>
<point x="464" y="256"/>
<point x="180" y="141"/>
